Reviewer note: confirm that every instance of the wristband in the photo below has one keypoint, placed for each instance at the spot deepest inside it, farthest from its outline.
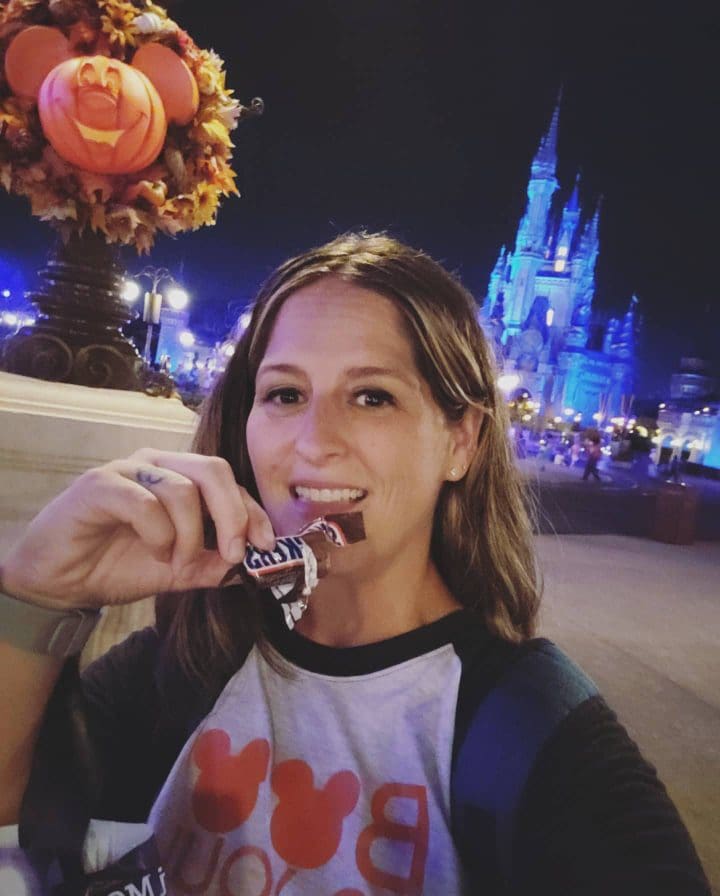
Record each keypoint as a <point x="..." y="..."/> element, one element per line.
<point x="57" y="633"/>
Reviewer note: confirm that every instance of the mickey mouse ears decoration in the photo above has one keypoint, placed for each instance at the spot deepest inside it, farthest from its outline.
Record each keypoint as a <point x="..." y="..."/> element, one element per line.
<point x="32" y="55"/>
<point x="112" y="118"/>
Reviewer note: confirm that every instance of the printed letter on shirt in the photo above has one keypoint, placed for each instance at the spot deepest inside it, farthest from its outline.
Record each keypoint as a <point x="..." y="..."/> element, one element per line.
<point x="395" y="844"/>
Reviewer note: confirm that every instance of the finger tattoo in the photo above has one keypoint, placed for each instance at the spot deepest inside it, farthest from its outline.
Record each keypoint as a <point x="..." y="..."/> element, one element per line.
<point x="148" y="479"/>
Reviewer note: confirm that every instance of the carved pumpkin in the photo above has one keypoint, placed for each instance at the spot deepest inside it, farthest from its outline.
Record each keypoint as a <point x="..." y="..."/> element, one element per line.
<point x="102" y="115"/>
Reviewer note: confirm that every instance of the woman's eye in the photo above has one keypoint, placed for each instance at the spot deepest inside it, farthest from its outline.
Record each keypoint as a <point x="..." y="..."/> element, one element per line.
<point x="282" y="396"/>
<point x="374" y="398"/>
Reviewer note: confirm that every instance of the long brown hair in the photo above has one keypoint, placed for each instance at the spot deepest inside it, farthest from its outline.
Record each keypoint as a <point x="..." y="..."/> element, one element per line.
<point x="482" y="537"/>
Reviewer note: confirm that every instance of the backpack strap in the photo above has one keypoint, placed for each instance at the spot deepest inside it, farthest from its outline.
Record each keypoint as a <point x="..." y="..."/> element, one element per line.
<point x="504" y="736"/>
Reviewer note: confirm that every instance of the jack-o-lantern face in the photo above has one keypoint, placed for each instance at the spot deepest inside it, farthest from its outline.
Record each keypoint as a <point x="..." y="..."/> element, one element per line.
<point x="99" y="113"/>
<point x="102" y="115"/>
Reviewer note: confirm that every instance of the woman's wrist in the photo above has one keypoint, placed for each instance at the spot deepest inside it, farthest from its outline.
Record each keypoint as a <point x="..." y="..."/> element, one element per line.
<point x="57" y="632"/>
<point x="14" y="586"/>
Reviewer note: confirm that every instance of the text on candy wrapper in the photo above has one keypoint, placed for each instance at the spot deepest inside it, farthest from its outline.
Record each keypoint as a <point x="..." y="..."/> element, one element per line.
<point x="146" y="886"/>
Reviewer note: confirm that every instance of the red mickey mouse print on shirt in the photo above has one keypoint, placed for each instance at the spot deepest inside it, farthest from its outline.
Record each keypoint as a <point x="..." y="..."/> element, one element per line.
<point x="306" y="825"/>
<point x="226" y="791"/>
<point x="308" y="786"/>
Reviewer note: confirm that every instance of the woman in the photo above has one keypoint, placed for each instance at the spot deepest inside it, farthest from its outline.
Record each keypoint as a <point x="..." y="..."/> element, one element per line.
<point x="408" y="736"/>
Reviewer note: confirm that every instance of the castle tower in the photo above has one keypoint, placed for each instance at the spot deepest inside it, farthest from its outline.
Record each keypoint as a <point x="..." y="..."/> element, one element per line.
<point x="530" y="244"/>
<point x="566" y="232"/>
<point x="497" y="280"/>
<point x="585" y="257"/>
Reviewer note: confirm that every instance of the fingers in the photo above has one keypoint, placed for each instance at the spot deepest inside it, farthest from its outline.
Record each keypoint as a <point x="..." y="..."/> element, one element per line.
<point x="259" y="530"/>
<point x="179" y="499"/>
<point x="237" y="517"/>
<point x="109" y="499"/>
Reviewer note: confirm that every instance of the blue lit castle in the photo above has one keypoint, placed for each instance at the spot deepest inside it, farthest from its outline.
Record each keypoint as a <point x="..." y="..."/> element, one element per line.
<point x="538" y="310"/>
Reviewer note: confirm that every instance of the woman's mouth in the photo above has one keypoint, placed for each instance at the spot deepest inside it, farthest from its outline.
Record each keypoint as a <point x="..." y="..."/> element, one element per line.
<point x="328" y="495"/>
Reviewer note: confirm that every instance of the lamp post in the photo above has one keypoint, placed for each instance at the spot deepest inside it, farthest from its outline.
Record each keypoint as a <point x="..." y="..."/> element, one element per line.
<point x="176" y="297"/>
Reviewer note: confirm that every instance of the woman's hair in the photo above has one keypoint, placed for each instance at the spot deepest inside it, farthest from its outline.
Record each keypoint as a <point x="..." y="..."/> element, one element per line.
<point x="482" y="538"/>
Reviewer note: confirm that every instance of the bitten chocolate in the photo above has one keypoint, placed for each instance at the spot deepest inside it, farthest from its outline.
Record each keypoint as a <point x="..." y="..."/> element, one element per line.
<point x="295" y="561"/>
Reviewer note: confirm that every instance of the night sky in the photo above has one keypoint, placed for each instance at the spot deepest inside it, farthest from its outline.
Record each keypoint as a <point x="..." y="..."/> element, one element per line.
<point x="421" y="117"/>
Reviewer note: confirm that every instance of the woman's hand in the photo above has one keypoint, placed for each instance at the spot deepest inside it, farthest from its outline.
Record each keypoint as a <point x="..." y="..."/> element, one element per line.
<point x="133" y="528"/>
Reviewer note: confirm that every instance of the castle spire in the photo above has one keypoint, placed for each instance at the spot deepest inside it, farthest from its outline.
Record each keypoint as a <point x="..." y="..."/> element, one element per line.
<point x="546" y="156"/>
<point x="574" y="201"/>
<point x="568" y="230"/>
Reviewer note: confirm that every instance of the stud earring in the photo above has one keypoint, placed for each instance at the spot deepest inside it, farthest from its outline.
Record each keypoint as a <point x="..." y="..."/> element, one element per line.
<point x="453" y="473"/>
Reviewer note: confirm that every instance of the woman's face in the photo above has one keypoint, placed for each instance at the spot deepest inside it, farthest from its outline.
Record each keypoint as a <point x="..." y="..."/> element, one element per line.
<point x="342" y="420"/>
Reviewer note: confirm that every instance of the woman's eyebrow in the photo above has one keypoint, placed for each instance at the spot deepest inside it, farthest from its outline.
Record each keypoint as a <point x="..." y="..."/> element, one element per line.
<point x="279" y="368"/>
<point x="350" y="372"/>
<point x="398" y="373"/>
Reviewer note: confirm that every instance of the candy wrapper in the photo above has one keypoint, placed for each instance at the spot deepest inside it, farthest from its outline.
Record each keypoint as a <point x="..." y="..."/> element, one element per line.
<point x="106" y="867"/>
<point x="291" y="571"/>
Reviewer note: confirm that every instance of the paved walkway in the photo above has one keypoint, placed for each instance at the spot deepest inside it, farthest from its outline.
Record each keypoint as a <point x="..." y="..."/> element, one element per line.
<point x="643" y="620"/>
<point x="624" y="503"/>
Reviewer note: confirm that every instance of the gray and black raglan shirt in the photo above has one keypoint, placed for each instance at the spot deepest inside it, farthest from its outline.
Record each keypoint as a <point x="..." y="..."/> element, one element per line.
<point x="338" y="772"/>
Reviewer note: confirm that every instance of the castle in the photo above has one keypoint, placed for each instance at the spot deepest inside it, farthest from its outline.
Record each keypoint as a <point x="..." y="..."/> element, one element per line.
<point x="538" y="311"/>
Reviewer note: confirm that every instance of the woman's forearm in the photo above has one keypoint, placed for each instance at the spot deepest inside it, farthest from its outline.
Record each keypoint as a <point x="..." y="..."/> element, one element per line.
<point x="27" y="681"/>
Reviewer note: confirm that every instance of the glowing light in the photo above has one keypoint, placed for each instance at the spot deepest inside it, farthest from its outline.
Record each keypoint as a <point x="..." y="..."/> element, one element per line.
<point x="130" y="291"/>
<point x="28" y="322"/>
<point x="706" y="410"/>
<point x="559" y="265"/>
<point x="618" y="421"/>
<point x="228" y="349"/>
<point x="527" y="417"/>
<point x="632" y="421"/>
<point x="696" y="413"/>
<point x="662" y="406"/>
<point x="578" y="418"/>
<point x="186" y="339"/>
<point x="597" y="416"/>
<point x="557" y="419"/>
<point x="6" y="293"/>
<point x="508" y="381"/>
<point x="549" y="316"/>
<point x="696" y="445"/>
<point x="10" y="319"/>
<point x="569" y="412"/>
<point x="641" y="431"/>
<point x="562" y="251"/>
<point x="177" y="298"/>
<point x="609" y="429"/>
<point x="655" y="440"/>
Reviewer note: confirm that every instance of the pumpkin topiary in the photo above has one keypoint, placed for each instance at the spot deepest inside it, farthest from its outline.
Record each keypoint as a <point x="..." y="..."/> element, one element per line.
<point x="112" y="119"/>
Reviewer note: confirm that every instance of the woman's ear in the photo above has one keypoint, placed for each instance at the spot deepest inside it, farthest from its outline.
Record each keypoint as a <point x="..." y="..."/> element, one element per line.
<point x="464" y="435"/>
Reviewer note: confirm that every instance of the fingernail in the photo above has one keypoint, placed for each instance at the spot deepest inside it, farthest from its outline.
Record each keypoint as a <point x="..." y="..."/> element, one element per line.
<point x="236" y="550"/>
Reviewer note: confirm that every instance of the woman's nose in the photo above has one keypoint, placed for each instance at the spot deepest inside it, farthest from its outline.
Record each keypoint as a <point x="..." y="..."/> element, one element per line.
<point x="320" y="433"/>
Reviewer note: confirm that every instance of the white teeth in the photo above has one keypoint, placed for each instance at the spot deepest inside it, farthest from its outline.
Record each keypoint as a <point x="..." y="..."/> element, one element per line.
<point x="328" y="495"/>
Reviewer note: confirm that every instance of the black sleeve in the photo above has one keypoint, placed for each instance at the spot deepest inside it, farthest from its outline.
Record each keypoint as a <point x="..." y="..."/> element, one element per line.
<point x="121" y="711"/>
<point x="595" y="820"/>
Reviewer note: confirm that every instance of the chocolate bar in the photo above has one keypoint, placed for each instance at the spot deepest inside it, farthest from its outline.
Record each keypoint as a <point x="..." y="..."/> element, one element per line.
<point x="291" y="570"/>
